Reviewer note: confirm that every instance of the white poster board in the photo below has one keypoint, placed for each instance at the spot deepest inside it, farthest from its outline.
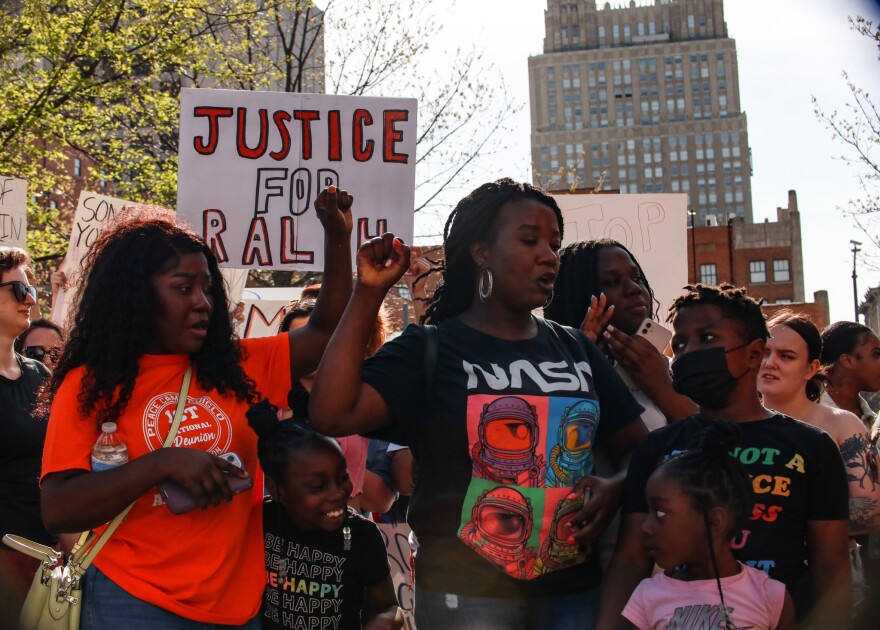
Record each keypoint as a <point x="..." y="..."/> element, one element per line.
<point x="93" y="213"/>
<point x="396" y="538"/>
<point x="13" y="212"/>
<point x="252" y="163"/>
<point x="263" y="310"/>
<point x="652" y="227"/>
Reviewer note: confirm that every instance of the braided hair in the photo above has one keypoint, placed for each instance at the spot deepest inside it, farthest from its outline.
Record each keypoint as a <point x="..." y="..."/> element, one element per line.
<point x="472" y="221"/>
<point x="277" y="441"/>
<point x="578" y="281"/>
<point x="733" y="302"/>
<point x="711" y="478"/>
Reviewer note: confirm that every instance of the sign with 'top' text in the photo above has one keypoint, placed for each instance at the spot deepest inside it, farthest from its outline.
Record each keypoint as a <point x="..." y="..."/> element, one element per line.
<point x="252" y="164"/>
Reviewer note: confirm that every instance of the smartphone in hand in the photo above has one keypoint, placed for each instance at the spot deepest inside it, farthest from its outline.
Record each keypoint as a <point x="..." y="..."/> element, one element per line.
<point x="657" y="335"/>
<point x="180" y="501"/>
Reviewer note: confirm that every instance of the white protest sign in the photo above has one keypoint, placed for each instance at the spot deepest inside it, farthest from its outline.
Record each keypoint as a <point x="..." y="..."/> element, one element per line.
<point x="396" y="536"/>
<point x="252" y="163"/>
<point x="93" y="213"/>
<point x="235" y="280"/>
<point x="652" y="227"/>
<point x="264" y="310"/>
<point x="13" y="212"/>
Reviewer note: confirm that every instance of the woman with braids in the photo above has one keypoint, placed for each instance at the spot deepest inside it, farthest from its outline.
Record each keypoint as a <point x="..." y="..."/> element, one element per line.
<point x="796" y="530"/>
<point x="153" y="303"/>
<point x="790" y="383"/>
<point x="501" y="415"/>
<point x="602" y="286"/>
<point x="697" y="500"/>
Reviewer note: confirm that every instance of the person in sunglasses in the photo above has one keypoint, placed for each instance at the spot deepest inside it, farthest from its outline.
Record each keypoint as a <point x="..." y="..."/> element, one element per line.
<point x="41" y="342"/>
<point x="22" y="429"/>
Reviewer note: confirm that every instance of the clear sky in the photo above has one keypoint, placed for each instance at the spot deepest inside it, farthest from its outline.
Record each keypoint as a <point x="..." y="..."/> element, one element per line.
<point x="787" y="50"/>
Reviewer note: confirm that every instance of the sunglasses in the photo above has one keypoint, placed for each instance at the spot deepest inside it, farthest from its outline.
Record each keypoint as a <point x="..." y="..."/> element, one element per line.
<point x="21" y="290"/>
<point x="38" y="353"/>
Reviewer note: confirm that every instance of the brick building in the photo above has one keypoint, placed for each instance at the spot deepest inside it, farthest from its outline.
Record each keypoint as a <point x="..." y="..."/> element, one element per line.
<point x="766" y="258"/>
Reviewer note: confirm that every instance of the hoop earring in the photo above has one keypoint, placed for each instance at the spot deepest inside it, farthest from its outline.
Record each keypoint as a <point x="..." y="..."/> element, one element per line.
<point x="485" y="291"/>
<point x="549" y="299"/>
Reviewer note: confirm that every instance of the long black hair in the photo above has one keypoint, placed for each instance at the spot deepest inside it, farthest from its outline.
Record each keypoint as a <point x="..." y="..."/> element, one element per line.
<point x="114" y="315"/>
<point x="578" y="281"/>
<point x="711" y="477"/>
<point x="470" y="222"/>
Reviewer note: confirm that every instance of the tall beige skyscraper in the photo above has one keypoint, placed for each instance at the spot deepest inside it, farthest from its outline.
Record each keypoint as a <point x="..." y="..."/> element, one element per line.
<point x="647" y="92"/>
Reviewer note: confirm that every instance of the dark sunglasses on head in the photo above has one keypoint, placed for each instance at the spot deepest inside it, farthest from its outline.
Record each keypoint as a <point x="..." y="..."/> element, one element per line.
<point x="38" y="353"/>
<point x="21" y="290"/>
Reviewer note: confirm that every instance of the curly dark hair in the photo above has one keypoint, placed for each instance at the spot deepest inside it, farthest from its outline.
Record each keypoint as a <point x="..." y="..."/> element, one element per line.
<point x="472" y="221"/>
<point x="114" y="315"/>
<point x="578" y="280"/>
<point x="733" y="302"/>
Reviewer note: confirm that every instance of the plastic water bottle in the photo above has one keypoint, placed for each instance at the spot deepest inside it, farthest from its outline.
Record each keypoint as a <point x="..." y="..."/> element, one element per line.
<point x="109" y="451"/>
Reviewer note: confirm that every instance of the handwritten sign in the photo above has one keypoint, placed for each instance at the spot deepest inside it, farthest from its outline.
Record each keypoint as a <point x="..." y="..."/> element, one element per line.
<point x="252" y="163"/>
<point x="93" y="213"/>
<point x="13" y="212"/>
<point x="652" y="227"/>
<point x="264" y="310"/>
<point x="396" y="538"/>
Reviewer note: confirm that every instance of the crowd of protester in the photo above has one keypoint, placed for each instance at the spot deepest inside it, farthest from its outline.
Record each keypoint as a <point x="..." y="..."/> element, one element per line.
<point x="564" y="471"/>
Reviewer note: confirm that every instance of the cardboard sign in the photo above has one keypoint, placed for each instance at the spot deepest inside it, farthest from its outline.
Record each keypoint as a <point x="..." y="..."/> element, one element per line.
<point x="652" y="227"/>
<point x="93" y="213"/>
<point x="252" y="163"/>
<point x="13" y="212"/>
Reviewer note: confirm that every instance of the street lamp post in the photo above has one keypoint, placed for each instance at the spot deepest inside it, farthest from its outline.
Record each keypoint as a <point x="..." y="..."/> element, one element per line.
<point x="855" y="251"/>
<point x="692" y="215"/>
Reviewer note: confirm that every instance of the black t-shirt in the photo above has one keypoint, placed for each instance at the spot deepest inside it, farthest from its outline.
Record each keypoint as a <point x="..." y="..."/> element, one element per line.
<point x="22" y="434"/>
<point x="312" y="580"/>
<point x="509" y="430"/>
<point x="797" y="476"/>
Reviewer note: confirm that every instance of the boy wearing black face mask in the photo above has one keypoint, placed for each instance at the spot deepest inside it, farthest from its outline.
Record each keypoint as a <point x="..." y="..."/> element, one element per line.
<point x="797" y="531"/>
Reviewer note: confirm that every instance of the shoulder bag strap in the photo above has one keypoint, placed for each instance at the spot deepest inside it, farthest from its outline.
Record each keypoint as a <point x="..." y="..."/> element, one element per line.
<point x="432" y="349"/>
<point x="90" y="551"/>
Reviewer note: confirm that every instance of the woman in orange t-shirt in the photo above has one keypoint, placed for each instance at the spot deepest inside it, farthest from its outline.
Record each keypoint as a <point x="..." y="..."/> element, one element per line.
<point x="152" y="302"/>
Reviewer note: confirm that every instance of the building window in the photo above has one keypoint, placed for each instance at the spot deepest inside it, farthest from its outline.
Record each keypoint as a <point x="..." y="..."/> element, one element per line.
<point x="783" y="301"/>
<point x="77" y="167"/>
<point x="781" y="271"/>
<point x="708" y="274"/>
<point x="757" y="272"/>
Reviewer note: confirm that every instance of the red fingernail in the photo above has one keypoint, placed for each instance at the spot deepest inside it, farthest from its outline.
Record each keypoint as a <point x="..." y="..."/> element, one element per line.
<point x="331" y="190"/>
<point x="570" y="540"/>
<point x="397" y="243"/>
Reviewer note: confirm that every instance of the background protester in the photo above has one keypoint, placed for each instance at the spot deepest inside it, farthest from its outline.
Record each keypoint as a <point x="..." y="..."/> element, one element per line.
<point x="42" y="342"/>
<point x="851" y="365"/>
<point x="504" y="432"/>
<point x="22" y="430"/>
<point x="790" y="384"/>
<point x="797" y="531"/>
<point x="152" y="303"/>
<point x="602" y="289"/>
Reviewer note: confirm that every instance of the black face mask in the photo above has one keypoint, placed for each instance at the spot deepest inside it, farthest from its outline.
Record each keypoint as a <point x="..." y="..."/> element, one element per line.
<point x="702" y="376"/>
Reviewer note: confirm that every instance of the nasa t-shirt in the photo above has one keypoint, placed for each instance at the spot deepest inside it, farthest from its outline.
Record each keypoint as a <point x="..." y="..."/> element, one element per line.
<point x="508" y="431"/>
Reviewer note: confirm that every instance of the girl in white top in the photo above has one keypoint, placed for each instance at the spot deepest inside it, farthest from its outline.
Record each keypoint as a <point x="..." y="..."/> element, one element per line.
<point x="696" y="500"/>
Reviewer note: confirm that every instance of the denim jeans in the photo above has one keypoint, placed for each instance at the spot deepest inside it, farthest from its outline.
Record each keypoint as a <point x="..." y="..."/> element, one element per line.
<point x="107" y="606"/>
<point x="449" y="611"/>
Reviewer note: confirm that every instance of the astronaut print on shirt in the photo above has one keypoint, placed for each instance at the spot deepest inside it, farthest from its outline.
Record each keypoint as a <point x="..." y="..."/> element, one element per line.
<point x="527" y="453"/>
